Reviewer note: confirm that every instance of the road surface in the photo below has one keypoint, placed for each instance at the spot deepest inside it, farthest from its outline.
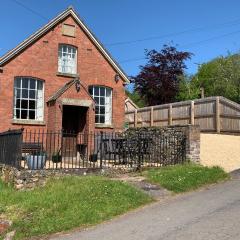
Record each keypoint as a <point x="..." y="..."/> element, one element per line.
<point x="212" y="214"/>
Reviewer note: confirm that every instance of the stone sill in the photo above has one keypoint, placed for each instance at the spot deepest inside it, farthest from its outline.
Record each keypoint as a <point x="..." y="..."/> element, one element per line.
<point x="67" y="75"/>
<point x="104" y="126"/>
<point x="28" y="122"/>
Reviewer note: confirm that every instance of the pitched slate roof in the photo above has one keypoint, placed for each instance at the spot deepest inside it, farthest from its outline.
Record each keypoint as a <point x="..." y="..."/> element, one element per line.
<point x="69" y="11"/>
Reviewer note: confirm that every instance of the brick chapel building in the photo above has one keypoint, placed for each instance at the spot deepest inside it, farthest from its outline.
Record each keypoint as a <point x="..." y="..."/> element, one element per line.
<point x="61" y="78"/>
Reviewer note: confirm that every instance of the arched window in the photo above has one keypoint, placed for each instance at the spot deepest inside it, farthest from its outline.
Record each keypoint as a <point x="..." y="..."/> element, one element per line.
<point x="103" y="99"/>
<point x="28" y="98"/>
<point x="67" y="59"/>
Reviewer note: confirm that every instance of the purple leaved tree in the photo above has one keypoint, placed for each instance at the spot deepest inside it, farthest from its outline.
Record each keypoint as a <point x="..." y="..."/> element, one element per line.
<point x="158" y="81"/>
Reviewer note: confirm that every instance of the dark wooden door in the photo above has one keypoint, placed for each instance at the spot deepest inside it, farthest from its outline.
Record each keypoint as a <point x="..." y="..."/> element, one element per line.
<point x="73" y="122"/>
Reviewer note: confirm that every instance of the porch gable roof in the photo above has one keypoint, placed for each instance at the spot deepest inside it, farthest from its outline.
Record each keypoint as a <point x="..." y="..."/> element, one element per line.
<point x="65" y="87"/>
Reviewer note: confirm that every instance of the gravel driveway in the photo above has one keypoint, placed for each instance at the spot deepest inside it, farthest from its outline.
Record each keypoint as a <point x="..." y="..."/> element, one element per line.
<point x="212" y="213"/>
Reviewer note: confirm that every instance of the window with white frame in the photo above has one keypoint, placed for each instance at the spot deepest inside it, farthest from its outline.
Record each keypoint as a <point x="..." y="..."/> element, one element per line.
<point x="103" y="99"/>
<point x="67" y="59"/>
<point x="28" y="98"/>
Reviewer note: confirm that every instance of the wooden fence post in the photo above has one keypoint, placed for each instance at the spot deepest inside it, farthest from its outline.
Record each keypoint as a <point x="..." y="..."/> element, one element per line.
<point x="192" y="113"/>
<point x="135" y="118"/>
<point x="170" y="114"/>
<point x="218" y="123"/>
<point x="151" y="117"/>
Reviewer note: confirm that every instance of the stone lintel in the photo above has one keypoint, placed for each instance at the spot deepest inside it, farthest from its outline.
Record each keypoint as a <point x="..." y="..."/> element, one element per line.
<point x="76" y="102"/>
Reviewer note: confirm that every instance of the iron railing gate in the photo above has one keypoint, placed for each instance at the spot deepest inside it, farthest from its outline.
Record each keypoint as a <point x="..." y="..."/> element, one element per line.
<point x="58" y="150"/>
<point x="10" y="147"/>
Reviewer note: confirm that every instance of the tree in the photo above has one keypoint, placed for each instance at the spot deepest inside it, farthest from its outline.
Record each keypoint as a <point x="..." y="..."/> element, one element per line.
<point x="158" y="81"/>
<point x="135" y="97"/>
<point x="220" y="77"/>
<point x="187" y="90"/>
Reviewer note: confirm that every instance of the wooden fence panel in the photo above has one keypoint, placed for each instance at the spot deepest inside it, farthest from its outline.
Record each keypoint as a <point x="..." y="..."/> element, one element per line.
<point x="230" y="116"/>
<point x="213" y="114"/>
<point x="181" y="114"/>
<point x="143" y="118"/>
<point x="160" y="116"/>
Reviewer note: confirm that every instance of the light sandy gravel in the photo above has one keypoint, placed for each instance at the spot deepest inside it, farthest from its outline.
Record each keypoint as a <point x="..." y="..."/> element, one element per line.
<point x="221" y="150"/>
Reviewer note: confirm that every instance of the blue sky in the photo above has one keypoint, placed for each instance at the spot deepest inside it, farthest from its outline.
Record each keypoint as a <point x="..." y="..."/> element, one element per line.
<point x="214" y="25"/>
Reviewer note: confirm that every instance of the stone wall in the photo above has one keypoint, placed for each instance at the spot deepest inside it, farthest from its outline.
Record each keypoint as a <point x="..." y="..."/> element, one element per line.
<point x="191" y="132"/>
<point x="29" y="179"/>
<point x="193" y="143"/>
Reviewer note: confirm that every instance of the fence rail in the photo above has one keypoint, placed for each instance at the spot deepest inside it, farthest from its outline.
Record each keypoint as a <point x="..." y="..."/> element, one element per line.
<point x="213" y="114"/>
<point x="65" y="150"/>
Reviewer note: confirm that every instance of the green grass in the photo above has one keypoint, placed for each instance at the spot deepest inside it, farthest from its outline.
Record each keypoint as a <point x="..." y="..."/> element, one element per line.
<point x="186" y="177"/>
<point x="67" y="203"/>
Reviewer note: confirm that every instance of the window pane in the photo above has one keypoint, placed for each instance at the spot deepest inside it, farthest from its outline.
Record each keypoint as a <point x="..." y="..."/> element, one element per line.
<point x="32" y="94"/>
<point x="31" y="114"/>
<point x="108" y="92"/>
<point x="24" y="93"/>
<point x="17" y="82"/>
<point x="97" y="110"/>
<point x="102" y="110"/>
<point x="102" y="101"/>
<point x="102" y="91"/>
<point x="18" y="103"/>
<point x="102" y="119"/>
<point x="96" y="91"/>
<point x="24" y="104"/>
<point x="17" y="93"/>
<point x="73" y="50"/>
<point x="17" y="113"/>
<point x="23" y="114"/>
<point x="39" y="85"/>
<point x="24" y="83"/>
<point x="32" y="84"/>
<point x="32" y="104"/>
<point x="97" y="99"/>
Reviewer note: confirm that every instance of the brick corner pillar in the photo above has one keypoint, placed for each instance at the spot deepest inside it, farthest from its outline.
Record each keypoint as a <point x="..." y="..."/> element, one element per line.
<point x="193" y="143"/>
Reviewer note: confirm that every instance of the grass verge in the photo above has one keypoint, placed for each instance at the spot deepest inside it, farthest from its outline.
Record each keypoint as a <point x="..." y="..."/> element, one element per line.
<point x="67" y="203"/>
<point x="186" y="177"/>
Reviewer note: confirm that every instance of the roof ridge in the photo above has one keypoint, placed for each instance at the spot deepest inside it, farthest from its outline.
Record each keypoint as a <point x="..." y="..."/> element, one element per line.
<point x="70" y="10"/>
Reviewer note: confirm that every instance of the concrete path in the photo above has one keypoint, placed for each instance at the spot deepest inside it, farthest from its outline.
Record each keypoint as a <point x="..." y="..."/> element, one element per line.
<point x="212" y="214"/>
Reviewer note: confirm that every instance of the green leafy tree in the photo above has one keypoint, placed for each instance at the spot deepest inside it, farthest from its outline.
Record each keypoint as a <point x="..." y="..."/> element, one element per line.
<point x="221" y="77"/>
<point x="187" y="89"/>
<point x="135" y="97"/>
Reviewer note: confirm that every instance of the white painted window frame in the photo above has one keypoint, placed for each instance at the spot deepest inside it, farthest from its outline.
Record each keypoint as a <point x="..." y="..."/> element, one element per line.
<point x="67" y="59"/>
<point x="107" y="105"/>
<point x="38" y="98"/>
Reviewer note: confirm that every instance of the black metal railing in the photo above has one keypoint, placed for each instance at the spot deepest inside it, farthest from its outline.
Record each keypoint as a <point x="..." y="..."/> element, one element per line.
<point x="68" y="150"/>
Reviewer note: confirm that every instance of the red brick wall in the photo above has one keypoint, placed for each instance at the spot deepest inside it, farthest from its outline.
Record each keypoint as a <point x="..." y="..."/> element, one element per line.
<point x="40" y="60"/>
